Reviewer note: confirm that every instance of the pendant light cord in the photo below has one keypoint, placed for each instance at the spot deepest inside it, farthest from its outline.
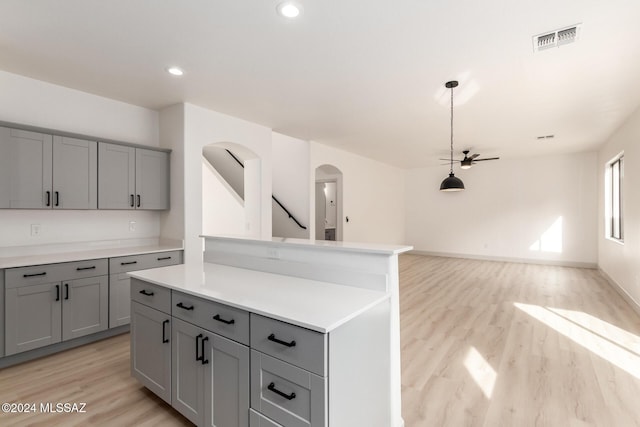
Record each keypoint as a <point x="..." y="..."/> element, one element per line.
<point x="451" y="168"/>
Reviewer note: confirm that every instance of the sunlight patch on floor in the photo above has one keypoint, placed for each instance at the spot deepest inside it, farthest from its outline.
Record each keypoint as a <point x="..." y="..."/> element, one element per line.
<point x="481" y="372"/>
<point x="593" y="340"/>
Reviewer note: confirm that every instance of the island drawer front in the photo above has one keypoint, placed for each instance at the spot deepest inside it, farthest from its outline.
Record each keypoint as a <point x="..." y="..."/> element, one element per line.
<point x="221" y="319"/>
<point x="256" y="419"/>
<point x="151" y="295"/>
<point x="82" y="269"/>
<point x="124" y="264"/>
<point x="299" y="346"/>
<point x="287" y="394"/>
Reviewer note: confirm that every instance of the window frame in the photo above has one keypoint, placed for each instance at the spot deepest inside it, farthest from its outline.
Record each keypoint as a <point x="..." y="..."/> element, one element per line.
<point x="615" y="183"/>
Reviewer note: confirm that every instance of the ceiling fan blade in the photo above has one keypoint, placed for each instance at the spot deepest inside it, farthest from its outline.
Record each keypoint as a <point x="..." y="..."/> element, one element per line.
<point x="448" y="160"/>
<point x="473" y="156"/>
<point x="488" y="158"/>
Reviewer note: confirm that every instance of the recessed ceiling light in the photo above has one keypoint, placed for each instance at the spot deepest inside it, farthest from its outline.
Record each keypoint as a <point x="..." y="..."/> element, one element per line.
<point x="175" y="71"/>
<point x="289" y="9"/>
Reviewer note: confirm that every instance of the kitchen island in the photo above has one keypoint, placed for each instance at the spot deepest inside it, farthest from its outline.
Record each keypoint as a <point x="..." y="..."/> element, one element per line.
<point x="273" y="333"/>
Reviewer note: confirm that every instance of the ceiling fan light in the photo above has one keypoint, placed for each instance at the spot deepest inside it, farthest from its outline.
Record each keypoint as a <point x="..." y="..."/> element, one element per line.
<point x="465" y="165"/>
<point x="452" y="183"/>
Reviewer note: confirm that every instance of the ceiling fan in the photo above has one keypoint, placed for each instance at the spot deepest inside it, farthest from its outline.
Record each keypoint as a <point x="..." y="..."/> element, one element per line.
<point x="468" y="161"/>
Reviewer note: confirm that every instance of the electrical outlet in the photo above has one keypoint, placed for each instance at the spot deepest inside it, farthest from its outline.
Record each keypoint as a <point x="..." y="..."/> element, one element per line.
<point x="35" y="229"/>
<point x="132" y="226"/>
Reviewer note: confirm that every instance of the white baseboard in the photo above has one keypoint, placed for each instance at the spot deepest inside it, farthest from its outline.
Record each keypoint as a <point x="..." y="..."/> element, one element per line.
<point x="577" y="264"/>
<point x="623" y="293"/>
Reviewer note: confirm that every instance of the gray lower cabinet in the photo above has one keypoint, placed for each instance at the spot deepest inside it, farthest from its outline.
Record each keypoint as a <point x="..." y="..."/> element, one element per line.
<point x="1" y="313"/>
<point x="120" y="282"/>
<point x="210" y="377"/>
<point x="151" y="349"/>
<point x="33" y="317"/>
<point x="85" y="306"/>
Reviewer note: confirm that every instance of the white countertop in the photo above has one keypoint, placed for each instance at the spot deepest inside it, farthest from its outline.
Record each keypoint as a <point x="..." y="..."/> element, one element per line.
<point x="82" y="252"/>
<point x="320" y="244"/>
<point x="320" y="306"/>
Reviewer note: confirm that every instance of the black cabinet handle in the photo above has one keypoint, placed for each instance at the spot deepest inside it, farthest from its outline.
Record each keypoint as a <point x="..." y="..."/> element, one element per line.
<point x="204" y="361"/>
<point x="184" y="307"/>
<point x="131" y="200"/>
<point x="66" y="291"/>
<point x="35" y="274"/>
<point x="272" y="387"/>
<point x="57" y="198"/>
<point x="48" y="198"/>
<point x="147" y="293"/>
<point x="164" y="258"/>
<point x="220" y="319"/>
<point x="138" y="196"/>
<point x="129" y="263"/>
<point x="273" y="338"/>
<point x="164" y="337"/>
<point x="198" y="337"/>
<point x="93" y="267"/>
<point x="57" y="292"/>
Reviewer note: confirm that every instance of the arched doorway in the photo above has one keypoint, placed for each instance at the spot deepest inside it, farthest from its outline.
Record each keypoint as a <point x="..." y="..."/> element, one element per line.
<point x="231" y="190"/>
<point x="328" y="203"/>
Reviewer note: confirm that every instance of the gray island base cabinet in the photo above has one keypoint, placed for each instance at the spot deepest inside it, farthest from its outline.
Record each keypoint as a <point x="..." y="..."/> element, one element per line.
<point x="332" y="373"/>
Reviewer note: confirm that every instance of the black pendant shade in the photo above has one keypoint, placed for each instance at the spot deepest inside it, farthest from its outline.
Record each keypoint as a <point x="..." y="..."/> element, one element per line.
<point x="451" y="183"/>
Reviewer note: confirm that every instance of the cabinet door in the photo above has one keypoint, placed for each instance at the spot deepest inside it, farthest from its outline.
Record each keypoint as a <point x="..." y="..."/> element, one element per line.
<point x="119" y="300"/>
<point x="151" y="349"/>
<point x="75" y="173"/>
<point x="226" y="388"/>
<point x="32" y="317"/>
<point x="25" y="169"/>
<point x="84" y="306"/>
<point x="187" y="379"/>
<point x="116" y="176"/>
<point x="152" y="179"/>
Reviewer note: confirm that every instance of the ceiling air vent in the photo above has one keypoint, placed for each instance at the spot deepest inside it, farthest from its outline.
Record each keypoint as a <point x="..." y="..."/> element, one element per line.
<point x="556" y="38"/>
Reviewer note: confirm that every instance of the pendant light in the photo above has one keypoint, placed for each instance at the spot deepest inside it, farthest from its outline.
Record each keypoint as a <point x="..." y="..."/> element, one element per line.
<point x="451" y="183"/>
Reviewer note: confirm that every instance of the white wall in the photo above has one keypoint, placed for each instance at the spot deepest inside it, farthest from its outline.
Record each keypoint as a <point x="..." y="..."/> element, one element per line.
<point x="203" y="127"/>
<point x="621" y="262"/>
<point x="31" y="102"/>
<point x="373" y="196"/>
<point x="536" y="209"/>
<point x="290" y="181"/>
<point x="222" y="208"/>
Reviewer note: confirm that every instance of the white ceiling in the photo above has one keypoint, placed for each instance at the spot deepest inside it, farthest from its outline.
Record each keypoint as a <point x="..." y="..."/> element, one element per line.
<point x="364" y="76"/>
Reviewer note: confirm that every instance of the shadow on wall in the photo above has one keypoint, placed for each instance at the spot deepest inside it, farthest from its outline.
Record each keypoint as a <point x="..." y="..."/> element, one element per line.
<point x="230" y="192"/>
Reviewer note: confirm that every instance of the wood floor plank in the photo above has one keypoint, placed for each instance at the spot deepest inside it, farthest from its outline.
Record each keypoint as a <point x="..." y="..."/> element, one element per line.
<point x="483" y="344"/>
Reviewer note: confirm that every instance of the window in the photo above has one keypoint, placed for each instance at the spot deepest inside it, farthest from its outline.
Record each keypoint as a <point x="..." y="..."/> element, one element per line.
<point x="616" y="177"/>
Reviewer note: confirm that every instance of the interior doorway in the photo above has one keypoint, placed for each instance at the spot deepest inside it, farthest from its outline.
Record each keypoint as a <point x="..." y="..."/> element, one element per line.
<point x="328" y="203"/>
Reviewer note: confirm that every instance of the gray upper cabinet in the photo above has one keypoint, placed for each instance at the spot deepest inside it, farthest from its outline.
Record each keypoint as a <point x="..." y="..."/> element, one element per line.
<point x="132" y="178"/>
<point x="40" y="171"/>
<point x="75" y="173"/>
<point x="152" y="179"/>
<point x="25" y="169"/>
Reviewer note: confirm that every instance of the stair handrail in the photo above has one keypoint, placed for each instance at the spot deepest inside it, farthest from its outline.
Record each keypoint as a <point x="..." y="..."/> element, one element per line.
<point x="272" y="196"/>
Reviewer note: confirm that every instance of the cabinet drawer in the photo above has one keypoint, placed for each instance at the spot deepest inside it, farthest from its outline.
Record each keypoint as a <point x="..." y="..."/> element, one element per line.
<point x="299" y="346"/>
<point x="144" y="261"/>
<point x="33" y="275"/>
<point x="154" y="296"/>
<point x="286" y="394"/>
<point x="256" y="419"/>
<point x="82" y="269"/>
<point x="227" y="321"/>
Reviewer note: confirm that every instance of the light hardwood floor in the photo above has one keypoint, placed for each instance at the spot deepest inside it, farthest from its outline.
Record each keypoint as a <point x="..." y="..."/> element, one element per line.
<point x="483" y="344"/>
